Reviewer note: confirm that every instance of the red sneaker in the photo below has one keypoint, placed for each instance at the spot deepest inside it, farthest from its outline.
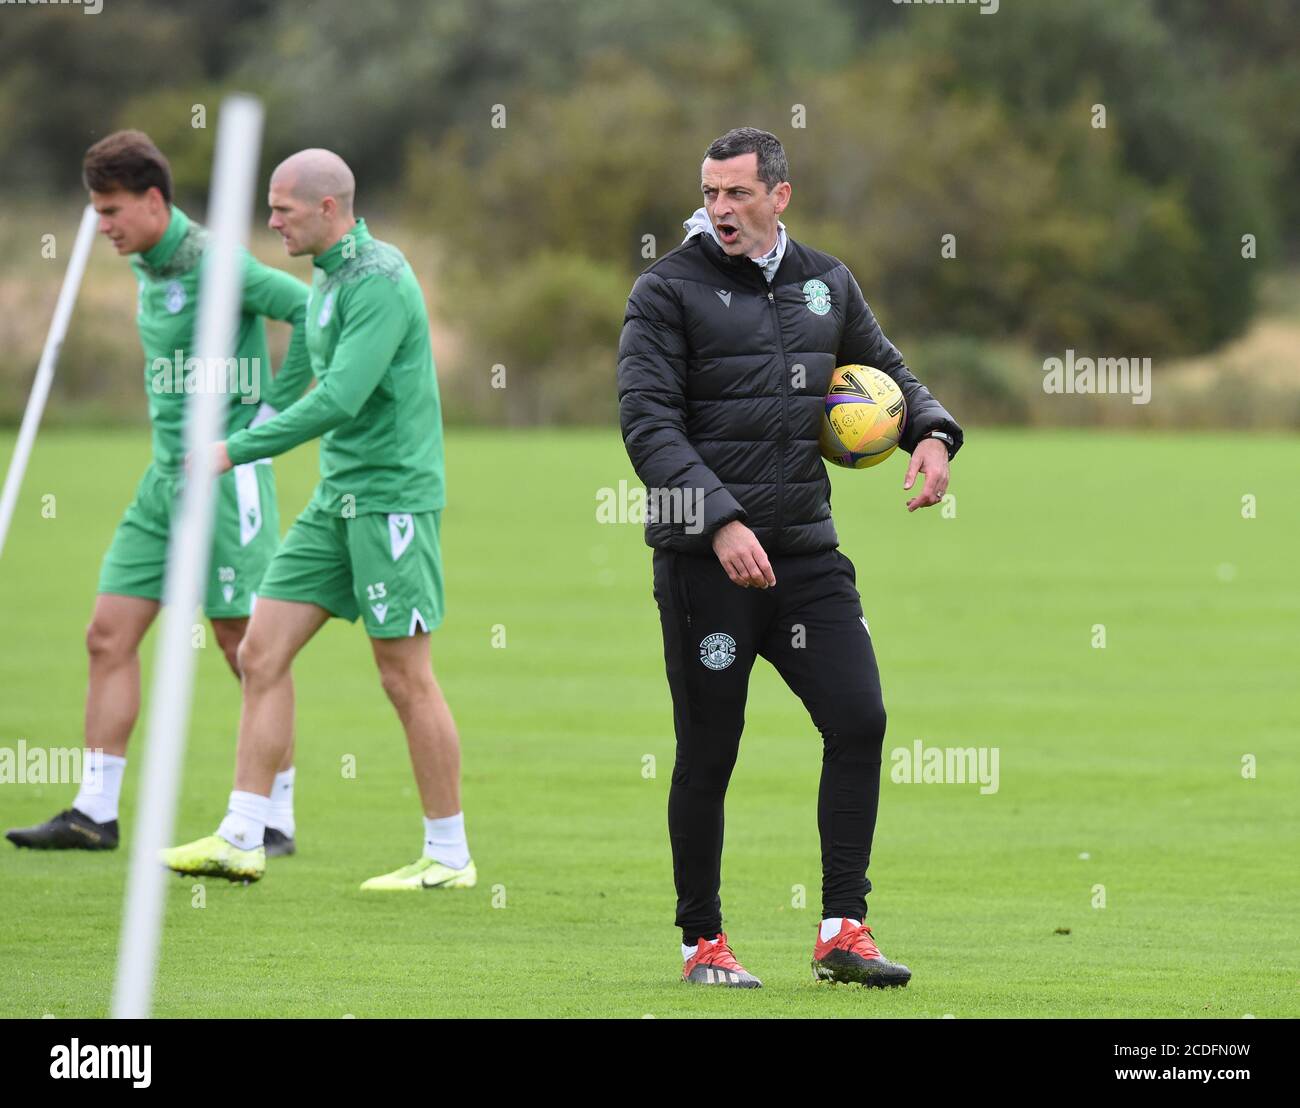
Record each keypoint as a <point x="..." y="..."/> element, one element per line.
<point x="852" y="956"/>
<point x="713" y="963"/>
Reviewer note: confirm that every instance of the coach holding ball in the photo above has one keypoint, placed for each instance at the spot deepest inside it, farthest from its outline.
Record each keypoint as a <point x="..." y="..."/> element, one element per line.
<point x="726" y="353"/>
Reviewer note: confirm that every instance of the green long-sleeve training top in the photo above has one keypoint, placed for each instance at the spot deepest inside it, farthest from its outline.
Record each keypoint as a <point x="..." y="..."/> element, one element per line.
<point x="375" y="405"/>
<point x="167" y="276"/>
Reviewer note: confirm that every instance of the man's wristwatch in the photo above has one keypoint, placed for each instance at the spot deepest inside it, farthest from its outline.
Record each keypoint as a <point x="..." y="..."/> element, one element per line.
<point x="948" y="441"/>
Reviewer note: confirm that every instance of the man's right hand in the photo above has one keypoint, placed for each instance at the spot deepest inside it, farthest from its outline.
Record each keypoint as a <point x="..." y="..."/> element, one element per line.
<point x="742" y="556"/>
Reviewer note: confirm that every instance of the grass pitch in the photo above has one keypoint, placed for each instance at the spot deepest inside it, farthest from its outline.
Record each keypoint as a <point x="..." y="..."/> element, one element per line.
<point x="1120" y="767"/>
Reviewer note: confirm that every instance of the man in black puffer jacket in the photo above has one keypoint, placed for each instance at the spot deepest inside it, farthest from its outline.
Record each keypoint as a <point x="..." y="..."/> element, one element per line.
<point x="724" y="363"/>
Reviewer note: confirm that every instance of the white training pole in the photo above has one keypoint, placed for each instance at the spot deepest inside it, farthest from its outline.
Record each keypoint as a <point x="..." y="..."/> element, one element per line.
<point x="230" y="205"/>
<point x="45" y="370"/>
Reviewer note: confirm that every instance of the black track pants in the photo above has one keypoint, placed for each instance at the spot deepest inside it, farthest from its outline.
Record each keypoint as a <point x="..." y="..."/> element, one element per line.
<point x="810" y="627"/>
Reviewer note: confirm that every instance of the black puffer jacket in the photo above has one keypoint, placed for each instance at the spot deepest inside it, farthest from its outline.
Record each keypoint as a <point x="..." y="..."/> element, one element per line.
<point x="707" y="404"/>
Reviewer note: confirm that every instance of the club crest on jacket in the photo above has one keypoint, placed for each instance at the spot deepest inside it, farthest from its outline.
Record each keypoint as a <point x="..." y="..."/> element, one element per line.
<point x="817" y="296"/>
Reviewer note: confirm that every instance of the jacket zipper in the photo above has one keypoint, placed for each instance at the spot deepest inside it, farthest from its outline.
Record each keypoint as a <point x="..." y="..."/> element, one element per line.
<point x="785" y="401"/>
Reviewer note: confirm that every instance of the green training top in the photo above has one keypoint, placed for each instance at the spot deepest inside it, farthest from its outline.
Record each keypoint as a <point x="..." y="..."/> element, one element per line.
<point x="166" y="311"/>
<point x="376" y="397"/>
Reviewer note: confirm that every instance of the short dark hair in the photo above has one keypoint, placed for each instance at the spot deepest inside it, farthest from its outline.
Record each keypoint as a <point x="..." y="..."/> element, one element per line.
<point x="127" y="160"/>
<point x="772" y="166"/>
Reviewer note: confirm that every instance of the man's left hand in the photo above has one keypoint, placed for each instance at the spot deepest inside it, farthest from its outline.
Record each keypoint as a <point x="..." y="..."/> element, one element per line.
<point x="221" y="459"/>
<point x="931" y="459"/>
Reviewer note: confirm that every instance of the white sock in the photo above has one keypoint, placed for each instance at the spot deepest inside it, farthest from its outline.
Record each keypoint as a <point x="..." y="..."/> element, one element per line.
<point x="282" y="803"/>
<point x="444" y="840"/>
<point x="245" y="822"/>
<point x="688" y="952"/>
<point x="831" y="927"/>
<point x="101" y="785"/>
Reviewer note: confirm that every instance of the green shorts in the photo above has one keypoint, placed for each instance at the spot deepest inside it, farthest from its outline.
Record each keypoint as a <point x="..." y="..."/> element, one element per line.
<point x="386" y="568"/>
<point x="246" y="533"/>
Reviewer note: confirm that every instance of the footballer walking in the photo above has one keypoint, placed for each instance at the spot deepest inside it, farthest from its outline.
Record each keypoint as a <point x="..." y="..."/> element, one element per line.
<point x="131" y="188"/>
<point x="727" y="350"/>
<point x="368" y="542"/>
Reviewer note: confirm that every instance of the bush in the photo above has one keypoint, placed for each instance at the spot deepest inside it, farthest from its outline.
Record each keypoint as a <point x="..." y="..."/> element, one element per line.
<point x="553" y="322"/>
<point x="976" y="382"/>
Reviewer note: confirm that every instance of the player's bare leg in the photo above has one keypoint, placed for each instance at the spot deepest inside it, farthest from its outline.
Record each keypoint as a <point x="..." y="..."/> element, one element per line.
<point x="278" y="630"/>
<point x="117" y="625"/>
<point x="407" y="676"/>
<point x="279" y="837"/>
<point x="406" y="673"/>
<point x="229" y="633"/>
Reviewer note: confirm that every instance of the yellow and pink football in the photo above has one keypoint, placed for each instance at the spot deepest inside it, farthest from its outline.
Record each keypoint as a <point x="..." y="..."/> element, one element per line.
<point x="864" y="417"/>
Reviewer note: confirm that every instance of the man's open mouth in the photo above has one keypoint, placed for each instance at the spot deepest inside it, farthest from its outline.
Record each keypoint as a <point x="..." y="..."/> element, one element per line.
<point x="728" y="232"/>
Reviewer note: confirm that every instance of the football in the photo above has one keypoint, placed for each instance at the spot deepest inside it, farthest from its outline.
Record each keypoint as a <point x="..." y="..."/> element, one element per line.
<point x="864" y="417"/>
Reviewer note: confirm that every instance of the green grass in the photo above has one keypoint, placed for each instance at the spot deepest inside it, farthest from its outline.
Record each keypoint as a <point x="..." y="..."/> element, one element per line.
<point x="1130" y="755"/>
